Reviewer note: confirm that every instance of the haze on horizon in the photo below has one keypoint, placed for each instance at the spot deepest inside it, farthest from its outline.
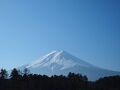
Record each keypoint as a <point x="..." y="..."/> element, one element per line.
<point x="88" y="29"/>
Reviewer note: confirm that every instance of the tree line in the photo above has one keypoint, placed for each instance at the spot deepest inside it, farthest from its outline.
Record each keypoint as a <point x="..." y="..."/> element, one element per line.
<point x="24" y="80"/>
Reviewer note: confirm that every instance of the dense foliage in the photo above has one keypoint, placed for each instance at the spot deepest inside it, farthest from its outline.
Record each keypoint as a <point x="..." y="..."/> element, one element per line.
<point x="18" y="80"/>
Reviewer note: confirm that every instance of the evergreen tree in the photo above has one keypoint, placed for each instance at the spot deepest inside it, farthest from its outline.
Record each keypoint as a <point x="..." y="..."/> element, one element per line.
<point x="3" y="74"/>
<point x="15" y="74"/>
<point x="26" y="71"/>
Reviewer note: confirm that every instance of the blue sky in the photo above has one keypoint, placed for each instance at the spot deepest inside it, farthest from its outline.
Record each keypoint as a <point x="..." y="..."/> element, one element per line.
<point x="88" y="29"/>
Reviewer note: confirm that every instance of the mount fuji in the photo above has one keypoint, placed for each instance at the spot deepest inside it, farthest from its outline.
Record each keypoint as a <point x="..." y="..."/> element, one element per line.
<point x="61" y="63"/>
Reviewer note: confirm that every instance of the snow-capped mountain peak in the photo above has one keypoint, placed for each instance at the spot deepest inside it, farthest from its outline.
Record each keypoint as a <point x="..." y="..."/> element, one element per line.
<point x="58" y="57"/>
<point x="61" y="62"/>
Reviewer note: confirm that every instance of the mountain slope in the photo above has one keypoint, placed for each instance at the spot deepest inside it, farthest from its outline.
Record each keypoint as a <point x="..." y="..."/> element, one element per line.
<point x="61" y="62"/>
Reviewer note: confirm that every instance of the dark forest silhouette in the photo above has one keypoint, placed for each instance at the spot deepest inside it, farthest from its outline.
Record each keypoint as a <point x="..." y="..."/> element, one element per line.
<point x="18" y="80"/>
